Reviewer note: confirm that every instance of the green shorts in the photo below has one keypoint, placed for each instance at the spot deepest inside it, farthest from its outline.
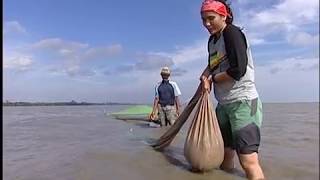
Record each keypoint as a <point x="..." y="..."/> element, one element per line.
<point x="240" y="124"/>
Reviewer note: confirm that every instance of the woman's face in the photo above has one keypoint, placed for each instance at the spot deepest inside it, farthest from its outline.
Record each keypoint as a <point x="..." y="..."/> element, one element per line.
<point x="212" y="21"/>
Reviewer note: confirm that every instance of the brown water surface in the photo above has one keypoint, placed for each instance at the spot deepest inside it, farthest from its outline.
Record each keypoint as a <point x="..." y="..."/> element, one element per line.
<point x="84" y="143"/>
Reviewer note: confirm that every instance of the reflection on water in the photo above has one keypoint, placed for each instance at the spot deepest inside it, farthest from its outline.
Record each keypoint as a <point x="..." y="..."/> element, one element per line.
<point x="82" y="142"/>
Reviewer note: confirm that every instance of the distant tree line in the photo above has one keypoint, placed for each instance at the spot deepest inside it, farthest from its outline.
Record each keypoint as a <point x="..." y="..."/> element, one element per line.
<point x="71" y="103"/>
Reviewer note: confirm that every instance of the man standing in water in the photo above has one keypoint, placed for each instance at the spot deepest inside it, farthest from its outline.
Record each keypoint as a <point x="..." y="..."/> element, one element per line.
<point x="166" y="99"/>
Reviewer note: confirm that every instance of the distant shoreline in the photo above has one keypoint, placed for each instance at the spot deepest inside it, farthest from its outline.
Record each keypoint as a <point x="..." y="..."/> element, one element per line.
<point x="72" y="103"/>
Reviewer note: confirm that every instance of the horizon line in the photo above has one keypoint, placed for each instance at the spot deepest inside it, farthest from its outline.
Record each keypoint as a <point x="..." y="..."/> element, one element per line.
<point x="107" y="102"/>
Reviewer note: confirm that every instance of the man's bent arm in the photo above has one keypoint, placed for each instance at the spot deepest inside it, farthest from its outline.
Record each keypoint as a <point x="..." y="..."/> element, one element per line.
<point x="155" y="104"/>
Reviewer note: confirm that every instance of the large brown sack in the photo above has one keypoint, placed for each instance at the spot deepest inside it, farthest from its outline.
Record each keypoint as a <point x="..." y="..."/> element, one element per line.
<point x="204" y="148"/>
<point x="169" y="135"/>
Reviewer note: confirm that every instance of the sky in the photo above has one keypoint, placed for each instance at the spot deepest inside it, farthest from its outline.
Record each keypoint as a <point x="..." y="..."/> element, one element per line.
<point x="112" y="51"/>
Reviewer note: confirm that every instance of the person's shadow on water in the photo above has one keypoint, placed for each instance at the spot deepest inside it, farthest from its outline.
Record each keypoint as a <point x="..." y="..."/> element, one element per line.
<point x="142" y="124"/>
<point x="175" y="156"/>
<point x="147" y="125"/>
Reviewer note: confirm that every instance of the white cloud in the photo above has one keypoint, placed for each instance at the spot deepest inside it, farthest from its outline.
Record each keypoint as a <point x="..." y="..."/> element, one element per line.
<point x="73" y="55"/>
<point x="293" y="65"/>
<point x="58" y="44"/>
<point x="72" y="71"/>
<point x="13" y="27"/>
<point x="182" y="55"/>
<point x="256" y="41"/>
<point x="78" y="71"/>
<point x="187" y="53"/>
<point x="65" y="52"/>
<point x="290" y="13"/>
<point x="286" y="18"/>
<point x="102" y="52"/>
<point x="19" y="63"/>
<point x="69" y="57"/>
<point x="294" y="79"/>
<point x="153" y="61"/>
<point x="72" y="49"/>
<point x="243" y="1"/>
<point x="302" y="39"/>
<point x="190" y="53"/>
<point x="178" y="72"/>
